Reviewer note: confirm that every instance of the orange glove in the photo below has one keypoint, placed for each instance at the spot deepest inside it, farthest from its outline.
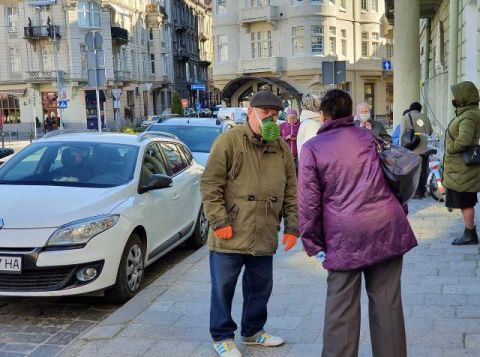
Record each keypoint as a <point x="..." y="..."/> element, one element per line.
<point x="224" y="232"/>
<point x="289" y="241"/>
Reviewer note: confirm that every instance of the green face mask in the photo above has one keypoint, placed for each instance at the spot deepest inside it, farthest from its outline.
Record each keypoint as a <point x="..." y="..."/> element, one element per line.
<point x="269" y="129"/>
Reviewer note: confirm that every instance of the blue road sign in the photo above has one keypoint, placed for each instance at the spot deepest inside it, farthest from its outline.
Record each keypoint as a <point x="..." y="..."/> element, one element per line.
<point x="386" y="65"/>
<point x="198" y="106"/>
<point x="63" y="104"/>
<point x="198" y="86"/>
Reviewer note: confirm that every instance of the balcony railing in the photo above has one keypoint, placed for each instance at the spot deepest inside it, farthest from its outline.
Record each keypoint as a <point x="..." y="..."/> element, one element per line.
<point x="119" y="35"/>
<point x="42" y="76"/>
<point x="268" y="13"/>
<point x="181" y="55"/>
<point x="254" y="65"/>
<point x="39" y="32"/>
<point x="121" y="75"/>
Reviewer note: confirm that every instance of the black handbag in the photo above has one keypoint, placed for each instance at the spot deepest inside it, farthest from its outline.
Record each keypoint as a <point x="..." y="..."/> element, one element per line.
<point x="401" y="166"/>
<point x="410" y="141"/>
<point x="471" y="155"/>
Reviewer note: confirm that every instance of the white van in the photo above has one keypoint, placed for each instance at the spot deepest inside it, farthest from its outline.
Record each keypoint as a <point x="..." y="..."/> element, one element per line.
<point x="237" y="114"/>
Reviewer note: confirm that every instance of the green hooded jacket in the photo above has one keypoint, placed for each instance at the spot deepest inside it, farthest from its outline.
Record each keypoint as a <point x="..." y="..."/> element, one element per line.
<point x="462" y="131"/>
<point x="248" y="183"/>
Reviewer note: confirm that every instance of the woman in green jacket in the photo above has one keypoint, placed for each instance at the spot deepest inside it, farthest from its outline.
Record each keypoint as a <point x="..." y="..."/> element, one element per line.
<point x="462" y="181"/>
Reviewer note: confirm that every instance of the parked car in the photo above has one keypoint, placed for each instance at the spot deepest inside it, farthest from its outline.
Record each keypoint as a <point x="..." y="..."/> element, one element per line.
<point x="215" y="110"/>
<point x="189" y="112"/>
<point x="87" y="212"/>
<point x="149" y="120"/>
<point x="237" y="114"/>
<point x="4" y="152"/>
<point x="197" y="133"/>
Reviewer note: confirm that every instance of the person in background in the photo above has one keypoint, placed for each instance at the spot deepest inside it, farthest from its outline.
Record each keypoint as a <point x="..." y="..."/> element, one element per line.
<point x="310" y="120"/>
<point x="396" y="131"/>
<point x="289" y="132"/>
<point x="363" y="119"/>
<point x="423" y="128"/>
<point x="249" y="182"/>
<point x="342" y="193"/>
<point x="462" y="181"/>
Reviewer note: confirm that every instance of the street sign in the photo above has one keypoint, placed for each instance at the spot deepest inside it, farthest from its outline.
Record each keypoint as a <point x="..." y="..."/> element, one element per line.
<point x="386" y="65"/>
<point x="184" y="103"/>
<point x="116" y="104"/>
<point x="198" y="86"/>
<point x="198" y="106"/>
<point x="116" y="92"/>
<point x="62" y="104"/>
<point x="334" y="72"/>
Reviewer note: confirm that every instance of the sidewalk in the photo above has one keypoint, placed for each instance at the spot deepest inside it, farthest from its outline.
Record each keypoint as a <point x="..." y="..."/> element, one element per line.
<point x="441" y="294"/>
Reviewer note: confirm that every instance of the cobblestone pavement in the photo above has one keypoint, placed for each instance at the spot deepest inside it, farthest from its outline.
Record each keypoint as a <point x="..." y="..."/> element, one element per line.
<point x="441" y="294"/>
<point x="43" y="327"/>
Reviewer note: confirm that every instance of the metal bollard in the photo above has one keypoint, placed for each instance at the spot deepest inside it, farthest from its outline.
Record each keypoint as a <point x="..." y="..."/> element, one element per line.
<point x="17" y="134"/>
<point x="10" y="137"/>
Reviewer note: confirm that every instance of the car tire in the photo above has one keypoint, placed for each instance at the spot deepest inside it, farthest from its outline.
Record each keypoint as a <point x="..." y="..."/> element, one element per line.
<point x="130" y="272"/>
<point x="200" y="234"/>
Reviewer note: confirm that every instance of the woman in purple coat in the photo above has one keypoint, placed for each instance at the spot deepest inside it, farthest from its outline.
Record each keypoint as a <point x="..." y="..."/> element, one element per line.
<point x="289" y="132"/>
<point x="351" y="220"/>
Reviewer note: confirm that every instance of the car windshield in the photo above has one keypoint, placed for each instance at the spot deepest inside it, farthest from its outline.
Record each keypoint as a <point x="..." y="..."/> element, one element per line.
<point x="75" y="164"/>
<point x="197" y="138"/>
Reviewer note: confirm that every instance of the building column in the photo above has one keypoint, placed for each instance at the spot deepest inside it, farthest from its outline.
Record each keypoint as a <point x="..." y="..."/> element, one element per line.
<point x="406" y="76"/>
<point x="452" y="51"/>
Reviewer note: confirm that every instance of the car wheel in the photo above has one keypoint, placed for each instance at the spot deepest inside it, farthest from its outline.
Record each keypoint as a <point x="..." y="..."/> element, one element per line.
<point x="130" y="272"/>
<point x="200" y="235"/>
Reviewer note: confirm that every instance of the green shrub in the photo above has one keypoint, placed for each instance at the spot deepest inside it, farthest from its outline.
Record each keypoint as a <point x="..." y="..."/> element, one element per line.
<point x="177" y="104"/>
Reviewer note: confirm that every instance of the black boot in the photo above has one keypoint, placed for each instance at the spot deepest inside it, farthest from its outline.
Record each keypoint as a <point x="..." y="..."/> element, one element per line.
<point x="469" y="237"/>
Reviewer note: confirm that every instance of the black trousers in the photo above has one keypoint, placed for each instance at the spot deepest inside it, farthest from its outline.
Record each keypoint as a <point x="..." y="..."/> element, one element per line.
<point x="422" y="182"/>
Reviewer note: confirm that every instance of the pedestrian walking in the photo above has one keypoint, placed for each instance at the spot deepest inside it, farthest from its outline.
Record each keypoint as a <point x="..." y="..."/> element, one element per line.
<point x="310" y="120"/>
<point x="462" y="181"/>
<point x="289" y="132"/>
<point x="248" y="183"/>
<point x="363" y="119"/>
<point x="422" y="128"/>
<point x="351" y="220"/>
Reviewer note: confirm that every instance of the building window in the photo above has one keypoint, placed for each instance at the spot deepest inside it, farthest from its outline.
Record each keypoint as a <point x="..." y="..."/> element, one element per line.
<point x="317" y="39"/>
<point x="83" y="61"/>
<point x="88" y="14"/>
<point x="259" y="3"/>
<point x="187" y="71"/>
<point x="344" y="43"/>
<point x="375" y="44"/>
<point x="365" y="44"/>
<point x="11" y="13"/>
<point x="261" y="44"/>
<point x="364" y="5"/>
<point x="374" y="5"/>
<point x="333" y="39"/>
<point x="221" y="7"/>
<point x="297" y="40"/>
<point x="9" y="109"/>
<point x="297" y="2"/>
<point x="14" y="60"/>
<point x="152" y="64"/>
<point x="389" y="50"/>
<point x="222" y="48"/>
<point x="46" y="58"/>
<point x="316" y="2"/>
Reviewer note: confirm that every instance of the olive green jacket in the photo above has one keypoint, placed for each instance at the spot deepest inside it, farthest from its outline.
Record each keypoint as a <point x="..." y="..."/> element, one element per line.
<point x="249" y="184"/>
<point x="462" y="131"/>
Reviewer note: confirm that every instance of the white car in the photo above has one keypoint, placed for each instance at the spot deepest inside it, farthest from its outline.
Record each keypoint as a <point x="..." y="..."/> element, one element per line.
<point x="87" y="212"/>
<point x="237" y="114"/>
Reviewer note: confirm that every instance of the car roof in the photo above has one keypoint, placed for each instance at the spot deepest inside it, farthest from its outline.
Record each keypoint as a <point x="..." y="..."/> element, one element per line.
<point x="106" y="137"/>
<point x="194" y="122"/>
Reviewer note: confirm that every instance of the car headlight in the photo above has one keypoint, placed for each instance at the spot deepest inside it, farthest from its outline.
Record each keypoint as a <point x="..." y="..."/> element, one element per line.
<point x="80" y="232"/>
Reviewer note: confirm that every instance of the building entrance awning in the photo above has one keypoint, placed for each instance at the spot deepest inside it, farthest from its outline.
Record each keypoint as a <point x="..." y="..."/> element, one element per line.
<point x="231" y="88"/>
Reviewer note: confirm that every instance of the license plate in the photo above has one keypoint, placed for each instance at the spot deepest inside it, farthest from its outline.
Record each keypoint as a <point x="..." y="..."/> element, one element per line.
<point x="12" y="265"/>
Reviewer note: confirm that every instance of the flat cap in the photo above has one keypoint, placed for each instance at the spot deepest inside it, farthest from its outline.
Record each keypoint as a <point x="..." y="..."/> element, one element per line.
<point x="266" y="99"/>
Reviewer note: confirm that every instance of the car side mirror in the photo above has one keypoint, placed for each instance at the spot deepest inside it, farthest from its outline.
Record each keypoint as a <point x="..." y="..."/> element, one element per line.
<point x="156" y="182"/>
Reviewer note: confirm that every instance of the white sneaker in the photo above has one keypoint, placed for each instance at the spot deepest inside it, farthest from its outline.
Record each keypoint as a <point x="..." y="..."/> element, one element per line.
<point x="263" y="339"/>
<point x="227" y="348"/>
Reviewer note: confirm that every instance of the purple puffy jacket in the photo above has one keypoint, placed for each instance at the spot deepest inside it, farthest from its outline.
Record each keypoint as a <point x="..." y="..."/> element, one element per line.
<point x="346" y="207"/>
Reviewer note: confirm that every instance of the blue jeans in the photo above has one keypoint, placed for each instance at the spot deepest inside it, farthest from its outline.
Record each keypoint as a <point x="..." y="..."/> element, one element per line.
<point x="257" y="286"/>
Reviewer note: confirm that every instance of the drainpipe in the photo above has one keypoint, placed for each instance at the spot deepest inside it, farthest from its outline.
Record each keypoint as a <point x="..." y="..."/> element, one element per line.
<point x="428" y="35"/>
<point x="452" y="51"/>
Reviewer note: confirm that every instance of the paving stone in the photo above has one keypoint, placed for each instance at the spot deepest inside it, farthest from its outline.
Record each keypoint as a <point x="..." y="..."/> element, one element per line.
<point x="79" y="326"/>
<point x="472" y="341"/>
<point x="172" y="348"/>
<point x="121" y="346"/>
<point x="157" y="318"/>
<point x="18" y="347"/>
<point x="101" y="332"/>
<point x="62" y="338"/>
<point x="24" y="338"/>
<point x="45" y="351"/>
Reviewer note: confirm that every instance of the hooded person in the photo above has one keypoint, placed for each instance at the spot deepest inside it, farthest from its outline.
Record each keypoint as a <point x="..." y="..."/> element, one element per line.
<point x="310" y="120"/>
<point x="363" y="118"/>
<point x="462" y="181"/>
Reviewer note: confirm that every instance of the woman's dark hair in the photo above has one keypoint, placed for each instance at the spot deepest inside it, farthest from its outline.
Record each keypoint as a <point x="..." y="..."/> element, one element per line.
<point x="416" y="106"/>
<point x="406" y="111"/>
<point x="336" y="104"/>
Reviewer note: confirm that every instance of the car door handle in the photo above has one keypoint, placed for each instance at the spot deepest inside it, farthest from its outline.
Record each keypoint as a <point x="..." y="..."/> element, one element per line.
<point x="175" y="197"/>
<point x="196" y="183"/>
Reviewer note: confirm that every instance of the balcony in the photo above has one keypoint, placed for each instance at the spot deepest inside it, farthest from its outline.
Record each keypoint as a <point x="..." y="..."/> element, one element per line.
<point x="267" y="13"/>
<point x="40" y="32"/>
<point x="255" y="65"/>
<point x="181" y="54"/>
<point x="43" y="76"/>
<point x="180" y="26"/>
<point x="123" y="76"/>
<point x="119" y="35"/>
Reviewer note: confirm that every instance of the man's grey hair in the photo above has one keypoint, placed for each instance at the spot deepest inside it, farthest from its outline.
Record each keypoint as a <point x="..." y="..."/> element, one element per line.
<point x="363" y="104"/>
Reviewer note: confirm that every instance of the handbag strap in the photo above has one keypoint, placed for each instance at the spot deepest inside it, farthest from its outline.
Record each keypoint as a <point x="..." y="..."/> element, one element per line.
<point x="448" y="132"/>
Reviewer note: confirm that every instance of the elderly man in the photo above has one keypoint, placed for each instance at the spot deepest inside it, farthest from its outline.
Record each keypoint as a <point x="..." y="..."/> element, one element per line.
<point x="248" y="183"/>
<point x="363" y="118"/>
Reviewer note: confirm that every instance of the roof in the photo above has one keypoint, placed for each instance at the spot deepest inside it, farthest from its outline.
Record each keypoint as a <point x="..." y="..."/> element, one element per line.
<point x="192" y="122"/>
<point x="95" y="137"/>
